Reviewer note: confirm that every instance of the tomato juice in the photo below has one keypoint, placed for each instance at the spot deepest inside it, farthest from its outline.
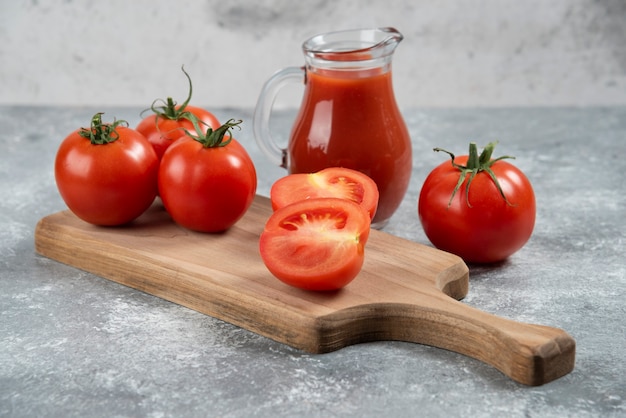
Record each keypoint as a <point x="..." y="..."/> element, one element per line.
<point x="349" y="118"/>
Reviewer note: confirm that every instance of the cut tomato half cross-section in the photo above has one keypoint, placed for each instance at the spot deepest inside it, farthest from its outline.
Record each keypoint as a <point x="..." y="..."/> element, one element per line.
<point x="316" y="244"/>
<point x="337" y="182"/>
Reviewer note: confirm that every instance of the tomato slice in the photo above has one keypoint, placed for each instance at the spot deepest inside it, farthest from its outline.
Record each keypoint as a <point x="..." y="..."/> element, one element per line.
<point x="316" y="244"/>
<point x="336" y="182"/>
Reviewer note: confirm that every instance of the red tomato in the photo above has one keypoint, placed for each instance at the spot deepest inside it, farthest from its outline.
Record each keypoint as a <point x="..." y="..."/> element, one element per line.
<point x="316" y="244"/>
<point x="169" y="122"/>
<point x="107" y="174"/>
<point x="479" y="221"/>
<point x="207" y="183"/>
<point x="330" y="182"/>
<point x="162" y="130"/>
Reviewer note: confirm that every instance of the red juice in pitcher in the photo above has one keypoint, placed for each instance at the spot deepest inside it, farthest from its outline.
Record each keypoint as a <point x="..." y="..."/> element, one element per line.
<point x="349" y="120"/>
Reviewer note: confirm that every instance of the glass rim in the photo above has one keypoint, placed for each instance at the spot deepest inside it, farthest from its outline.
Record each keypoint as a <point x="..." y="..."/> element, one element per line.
<point x="353" y="44"/>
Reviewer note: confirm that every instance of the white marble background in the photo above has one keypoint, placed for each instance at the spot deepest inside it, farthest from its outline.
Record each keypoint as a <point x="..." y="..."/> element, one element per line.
<point x="456" y="53"/>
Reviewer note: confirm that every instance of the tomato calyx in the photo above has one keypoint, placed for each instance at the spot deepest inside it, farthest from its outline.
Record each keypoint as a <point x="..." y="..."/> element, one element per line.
<point x="171" y="110"/>
<point x="214" y="138"/>
<point x="475" y="164"/>
<point x="100" y="133"/>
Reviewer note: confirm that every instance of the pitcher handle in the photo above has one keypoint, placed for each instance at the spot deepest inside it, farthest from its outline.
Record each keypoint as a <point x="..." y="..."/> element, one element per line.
<point x="263" y="110"/>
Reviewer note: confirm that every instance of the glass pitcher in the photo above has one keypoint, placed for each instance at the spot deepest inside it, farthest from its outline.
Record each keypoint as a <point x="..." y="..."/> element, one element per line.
<point x="348" y="117"/>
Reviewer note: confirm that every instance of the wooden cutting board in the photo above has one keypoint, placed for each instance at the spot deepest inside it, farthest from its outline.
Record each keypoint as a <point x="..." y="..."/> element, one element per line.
<point x="406" y="291"/>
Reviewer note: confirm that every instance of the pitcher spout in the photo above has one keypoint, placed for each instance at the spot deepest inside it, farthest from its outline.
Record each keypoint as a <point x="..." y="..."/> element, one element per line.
<point x="352" y="45"/>
<point x="389" y="44"/>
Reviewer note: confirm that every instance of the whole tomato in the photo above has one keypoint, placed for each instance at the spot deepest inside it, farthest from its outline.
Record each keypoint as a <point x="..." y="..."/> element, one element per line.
<point x="478" y="208"/>
<point x="168" y="122"/>
<point x="207" y="182"/>
<point x="106" y="174"/>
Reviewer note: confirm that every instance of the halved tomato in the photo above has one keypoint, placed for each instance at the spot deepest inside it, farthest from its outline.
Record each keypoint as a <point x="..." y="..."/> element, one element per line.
<point x="330" y="182"/>
<point x="316" y="244"/>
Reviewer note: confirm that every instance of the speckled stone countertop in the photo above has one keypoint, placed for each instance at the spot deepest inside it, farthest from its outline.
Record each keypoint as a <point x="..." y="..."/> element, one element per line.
<point x="73" y="344"/>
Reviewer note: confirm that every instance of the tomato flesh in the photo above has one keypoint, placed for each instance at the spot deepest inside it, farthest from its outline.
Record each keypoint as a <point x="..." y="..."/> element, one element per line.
<point x="316" y="244"/>
<point x="335" y="182"/>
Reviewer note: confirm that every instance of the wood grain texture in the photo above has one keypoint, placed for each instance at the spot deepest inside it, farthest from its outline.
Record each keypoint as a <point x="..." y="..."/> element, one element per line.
<point x="406" y="291"/>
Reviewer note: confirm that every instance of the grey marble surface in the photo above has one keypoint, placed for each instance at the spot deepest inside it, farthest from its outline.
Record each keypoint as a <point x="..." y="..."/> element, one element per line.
<point x="73" y="344"/>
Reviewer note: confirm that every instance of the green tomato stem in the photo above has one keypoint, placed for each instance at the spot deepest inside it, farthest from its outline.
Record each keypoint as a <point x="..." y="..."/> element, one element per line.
<point x="476" y="164"/>
<point x="215" y="138"/>
<point x="473" y="160"/>
<point x="169" y="109"/>
<point x="100" y="133"/>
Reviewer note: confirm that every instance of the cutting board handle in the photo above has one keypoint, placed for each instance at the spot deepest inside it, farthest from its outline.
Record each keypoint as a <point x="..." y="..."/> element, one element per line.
<point x="527" y="353"/>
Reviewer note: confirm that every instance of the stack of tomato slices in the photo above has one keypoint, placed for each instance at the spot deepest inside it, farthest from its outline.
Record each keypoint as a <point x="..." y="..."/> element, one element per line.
<point x="315" y="239"/>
